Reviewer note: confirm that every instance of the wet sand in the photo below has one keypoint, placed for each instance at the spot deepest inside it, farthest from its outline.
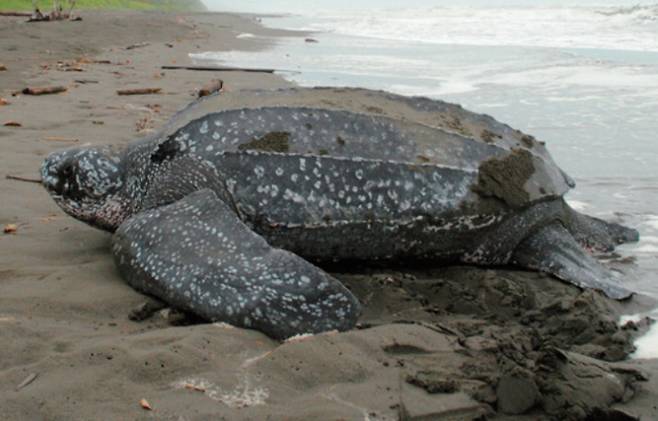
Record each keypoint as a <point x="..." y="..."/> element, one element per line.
<point x="433" y="343"/>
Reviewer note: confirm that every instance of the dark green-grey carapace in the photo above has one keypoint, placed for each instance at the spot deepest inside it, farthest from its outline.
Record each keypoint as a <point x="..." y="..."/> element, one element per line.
<point x="226" y="211"/>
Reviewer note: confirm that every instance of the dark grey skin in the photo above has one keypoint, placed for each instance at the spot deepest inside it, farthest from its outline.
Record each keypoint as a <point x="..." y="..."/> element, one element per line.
<point x="224" y="214"/>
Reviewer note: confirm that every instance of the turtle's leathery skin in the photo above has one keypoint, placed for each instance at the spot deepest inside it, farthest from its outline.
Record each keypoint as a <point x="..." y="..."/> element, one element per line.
<point x="215" y="213"/>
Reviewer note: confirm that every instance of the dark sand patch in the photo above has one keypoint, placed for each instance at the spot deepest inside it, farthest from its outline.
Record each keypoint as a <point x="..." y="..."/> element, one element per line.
<point x="505" y="178"/>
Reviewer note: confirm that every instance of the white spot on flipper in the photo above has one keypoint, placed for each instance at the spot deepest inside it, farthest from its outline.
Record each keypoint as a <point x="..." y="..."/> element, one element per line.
<point x="204" y="127"/>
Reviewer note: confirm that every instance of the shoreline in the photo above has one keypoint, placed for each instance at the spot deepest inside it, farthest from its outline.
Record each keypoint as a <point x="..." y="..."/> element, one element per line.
<point x="63" y="307"/>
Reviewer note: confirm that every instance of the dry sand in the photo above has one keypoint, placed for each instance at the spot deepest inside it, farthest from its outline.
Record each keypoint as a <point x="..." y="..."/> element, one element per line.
<point x="433" y="343"/>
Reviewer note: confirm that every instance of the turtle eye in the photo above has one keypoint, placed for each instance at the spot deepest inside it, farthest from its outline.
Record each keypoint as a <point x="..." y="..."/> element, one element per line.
<point x="68" y="183"/>
<point x="64" y="179"/>
<point x="66" y="171"/>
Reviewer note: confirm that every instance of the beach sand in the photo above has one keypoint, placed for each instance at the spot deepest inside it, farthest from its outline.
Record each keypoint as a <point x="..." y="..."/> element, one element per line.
<point x="433" y="343"/>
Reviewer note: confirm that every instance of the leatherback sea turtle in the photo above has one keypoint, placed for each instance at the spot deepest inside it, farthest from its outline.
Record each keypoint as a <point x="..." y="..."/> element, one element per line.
<point x="221" y="213"/>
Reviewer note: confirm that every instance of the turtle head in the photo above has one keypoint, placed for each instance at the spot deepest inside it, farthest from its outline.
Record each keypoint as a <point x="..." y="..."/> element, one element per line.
<point x="87" y="184"/>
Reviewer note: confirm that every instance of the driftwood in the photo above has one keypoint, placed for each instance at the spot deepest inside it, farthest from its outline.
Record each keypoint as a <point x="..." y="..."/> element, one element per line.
<point x="29" y="379"/>
<point x="12" y="123"/>
<point x="85" y="81"/>
<point x="60" y="139"/>
<point x="139" y="91"/>
<point x="218" y="69"/>
<point x="71" y="68"/>
<point x="214" y="86"/>
<point x="140" y="45"/>
<point x="2" y="67"/>
<point x="43" y="91"/>
<point x="25" y="179"/>
<point x="18" y="14"/>
<point x="39" y="17"/>
<point x="11" y="229"/>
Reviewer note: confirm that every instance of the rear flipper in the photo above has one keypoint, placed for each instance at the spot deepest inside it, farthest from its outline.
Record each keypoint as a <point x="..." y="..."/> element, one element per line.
<point x="197" y="255"/>
<point x="552" y="249"/>
<point x="597" y="234"/>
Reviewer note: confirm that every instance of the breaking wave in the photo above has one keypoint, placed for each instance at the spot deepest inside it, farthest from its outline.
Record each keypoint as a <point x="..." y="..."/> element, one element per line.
<point x="639" y="13"/>
<point x="621" y="28"/>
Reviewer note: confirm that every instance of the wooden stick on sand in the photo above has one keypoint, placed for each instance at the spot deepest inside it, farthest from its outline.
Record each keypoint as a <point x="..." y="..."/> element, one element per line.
<point x="139" y="91"/>
<point x="218" y="69"/>
<point x="43" y="91"/>
<point x="61" y="139"/>
<point x="25" y="179"/>
<point x="214" y="86"/>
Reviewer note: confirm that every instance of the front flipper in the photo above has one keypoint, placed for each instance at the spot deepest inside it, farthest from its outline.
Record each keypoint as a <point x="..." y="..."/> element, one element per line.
<point x="197" y="255"/>
<point x="553" y="250"/>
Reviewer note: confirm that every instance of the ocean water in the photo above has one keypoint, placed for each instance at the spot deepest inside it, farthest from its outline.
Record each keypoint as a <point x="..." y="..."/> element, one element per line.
<point x="582" y="78"/>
